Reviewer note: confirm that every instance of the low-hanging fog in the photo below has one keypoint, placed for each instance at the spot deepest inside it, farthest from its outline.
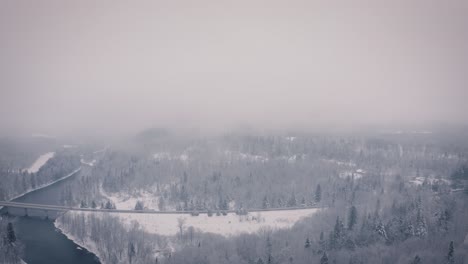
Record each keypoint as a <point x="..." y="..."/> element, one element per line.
<point x="115" y="66"/>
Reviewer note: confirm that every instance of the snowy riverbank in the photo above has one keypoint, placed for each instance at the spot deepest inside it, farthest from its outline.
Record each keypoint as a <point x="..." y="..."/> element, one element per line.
<point x="86" y="244"/>
<point x="169" y="225"/>
<point x="44" y="185"/>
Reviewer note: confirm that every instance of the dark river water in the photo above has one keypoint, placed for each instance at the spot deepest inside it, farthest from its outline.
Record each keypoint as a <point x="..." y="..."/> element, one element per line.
<point x="43" y="243"/>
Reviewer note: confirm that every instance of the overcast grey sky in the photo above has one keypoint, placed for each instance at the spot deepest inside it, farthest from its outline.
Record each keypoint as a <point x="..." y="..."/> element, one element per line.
<point x="125" y="65"/>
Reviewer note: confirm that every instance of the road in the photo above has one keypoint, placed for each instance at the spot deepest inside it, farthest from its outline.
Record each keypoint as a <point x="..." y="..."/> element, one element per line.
<point x="47" y="207"/>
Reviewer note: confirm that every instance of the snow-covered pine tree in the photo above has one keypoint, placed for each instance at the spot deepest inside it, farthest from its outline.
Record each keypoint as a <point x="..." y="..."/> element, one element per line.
<point x="324" y="258"/>
<point x="421" y="227"/>
<point x="416" y="260"/>
<point x="11" y="236"/>
<point x="352" y="220"/>
<point x="318" y="194"/>
<point x="307" y="243"/>
<point x="451" y="254"/>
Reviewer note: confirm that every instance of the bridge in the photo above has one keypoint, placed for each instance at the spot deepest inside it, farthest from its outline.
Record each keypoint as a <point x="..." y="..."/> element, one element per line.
<point x="46" y="208"/>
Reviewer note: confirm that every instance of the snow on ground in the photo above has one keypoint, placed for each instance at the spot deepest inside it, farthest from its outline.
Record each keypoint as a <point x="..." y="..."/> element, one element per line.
<point x="128" y="202"/>
<point x="237" y="155"/>
<point x="430" y="180"/>
<point x="341" y="163"/>
<point x="89" y="163"/>
<point x="229" y="225"/>
<point x="40" y="162"/>
<point x="160" y="156"/>
<point x="353" y="174"/>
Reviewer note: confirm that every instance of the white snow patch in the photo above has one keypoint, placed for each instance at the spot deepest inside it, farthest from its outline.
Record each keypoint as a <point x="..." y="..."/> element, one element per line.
<point x="101" y="150"/>
<point x="40" y="162"/>
<point x="89" y="163"/>
<point x="341" y="163"/>
<point x="353" y="174"/>
<point x="430" y="180"/>
<point x="237" y="155"/>
<point x="160" y="156"/>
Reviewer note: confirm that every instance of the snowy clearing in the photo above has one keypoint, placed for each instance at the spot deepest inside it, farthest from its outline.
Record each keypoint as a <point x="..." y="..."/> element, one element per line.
<point x="128" y="202"/>
<point x="40" y="162"/>
<point x="229" y="225"/>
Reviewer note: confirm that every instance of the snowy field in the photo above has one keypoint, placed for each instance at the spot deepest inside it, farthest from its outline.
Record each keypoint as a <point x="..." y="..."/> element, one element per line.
<point x="229" y="225"/>
<point x="40" y="162"/>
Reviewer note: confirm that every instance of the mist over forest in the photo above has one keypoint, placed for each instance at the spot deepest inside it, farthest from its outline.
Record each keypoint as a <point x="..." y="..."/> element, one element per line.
<point x="244" y="132"/>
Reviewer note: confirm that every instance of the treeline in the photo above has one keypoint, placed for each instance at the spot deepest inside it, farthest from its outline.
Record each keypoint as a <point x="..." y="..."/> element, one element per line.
<point x="268" y="171"/>
<point x="375" y="215"/>
<point x="18" y="182"/>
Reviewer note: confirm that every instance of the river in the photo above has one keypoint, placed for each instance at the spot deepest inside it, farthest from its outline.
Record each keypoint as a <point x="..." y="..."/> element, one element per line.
<point x="43" y="243"/>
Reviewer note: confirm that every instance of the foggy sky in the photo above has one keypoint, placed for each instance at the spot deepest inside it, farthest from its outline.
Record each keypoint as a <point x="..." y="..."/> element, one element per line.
<point x="121" y="66"/>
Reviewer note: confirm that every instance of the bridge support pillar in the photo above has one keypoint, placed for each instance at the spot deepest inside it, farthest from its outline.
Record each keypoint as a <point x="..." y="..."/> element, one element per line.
<point x="25" y="211"/>
<point x="46" y="214"/>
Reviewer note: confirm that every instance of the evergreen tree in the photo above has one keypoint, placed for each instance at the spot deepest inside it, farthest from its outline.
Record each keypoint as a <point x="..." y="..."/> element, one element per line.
<point x="161" y="204"/>
<point x="307" y="243"/>
<point x="380" y="229"/>
<point x="338" y="233"/>
<point x="318" y="194"/>
<point x="416" y="260"/>
<point x="443" y="221"/>
<point x="292" y="201"/>
<point x="11" y="236"/>
<point x="322" y="243"/>
<point x="421" y="227"/>
<point x="131" y="252"/>
<point x="109" y="205"/>
<point x="265" y="203"/>
<point x="139" y="205"/>
<point x="93" y="204"/>
<point x="451" y="255"/>
<point x="352" y="220"/>
<point x="324" y="258"/>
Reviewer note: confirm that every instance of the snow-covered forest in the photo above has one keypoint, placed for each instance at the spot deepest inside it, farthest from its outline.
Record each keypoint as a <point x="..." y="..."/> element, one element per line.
<point x="387" y="198"/>
<point x="233" y="132"/>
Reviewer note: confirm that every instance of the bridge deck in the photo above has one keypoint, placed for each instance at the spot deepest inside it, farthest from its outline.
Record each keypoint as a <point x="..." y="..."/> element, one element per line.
<point x="70" y="208"/>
